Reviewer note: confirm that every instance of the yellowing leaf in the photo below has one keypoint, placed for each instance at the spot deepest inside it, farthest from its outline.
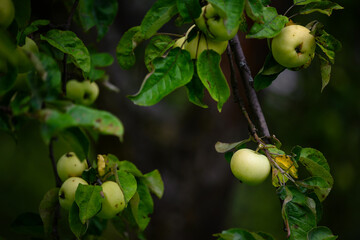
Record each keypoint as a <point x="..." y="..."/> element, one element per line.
<point x="101" y="164"/>
<point x="287" y="164"/>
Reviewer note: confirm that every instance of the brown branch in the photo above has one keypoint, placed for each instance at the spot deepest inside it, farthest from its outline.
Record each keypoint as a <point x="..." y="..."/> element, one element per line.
<point x="248" y="83"/>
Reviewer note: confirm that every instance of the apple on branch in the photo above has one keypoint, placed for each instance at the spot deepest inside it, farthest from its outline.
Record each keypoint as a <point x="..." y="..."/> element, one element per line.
<point x="114" y="201"/>
<point x="84" y="92"/>
<point x="7" y="13"/>
<point x="67" y="191"/>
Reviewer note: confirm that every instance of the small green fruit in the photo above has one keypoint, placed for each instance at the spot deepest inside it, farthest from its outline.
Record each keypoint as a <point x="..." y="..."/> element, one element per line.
<point x="212" y="23"/>
<point x="68" y="190"/>
<point x="22" y="60"/>
<point x="85" y="92"/>
<point x="91" y="92"/>
<point x="114" y="201"/>
<point x="7" y="13"/>
<point x="249" y="166"/>
<point x="69" y="165"/>
<point x="294" y="47"/>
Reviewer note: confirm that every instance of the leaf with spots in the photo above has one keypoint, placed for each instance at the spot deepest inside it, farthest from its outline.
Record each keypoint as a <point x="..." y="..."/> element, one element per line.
<point x="88" y="198"/>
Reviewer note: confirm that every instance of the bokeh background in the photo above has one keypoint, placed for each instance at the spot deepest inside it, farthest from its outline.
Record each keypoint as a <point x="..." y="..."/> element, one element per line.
<point x="201" y="196"/>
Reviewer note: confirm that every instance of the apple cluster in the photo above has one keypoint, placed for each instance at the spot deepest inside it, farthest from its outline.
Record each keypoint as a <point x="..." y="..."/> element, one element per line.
<point x="70" y="169"/>
<point x="208" y="32"/>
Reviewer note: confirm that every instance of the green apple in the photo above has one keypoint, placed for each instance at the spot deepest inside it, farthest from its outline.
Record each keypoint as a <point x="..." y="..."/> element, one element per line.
<point x="85" y="92"/>
<point x="7" y="13"/>
<point x="114" y="201"/>
<point x="23" y="62"/>
<point x="67" y="191"/>
<point x="212" y="23"/>
<point x="201" y="42"/>
<point x="294" y="47"/>
<point x="249" y="166"/>
<point x="69" y="165"/>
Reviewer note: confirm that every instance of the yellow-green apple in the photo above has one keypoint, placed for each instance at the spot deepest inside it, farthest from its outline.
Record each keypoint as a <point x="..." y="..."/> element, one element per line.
<point x="114" y="201"/>
<point x="67" y="191"/>
<point x="294" y="47"/>
<point x="69" y="165"/>
<point x="212" y="23"/>
<point x="85" y="92"/>
<point x="7" y="13"/>
<point x="249" y="167"/>
<point x="22" y="60"/>
<point x="91" y="92"/>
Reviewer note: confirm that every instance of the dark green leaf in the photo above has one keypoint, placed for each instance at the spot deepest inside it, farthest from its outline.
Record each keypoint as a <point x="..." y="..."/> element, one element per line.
<point x="254" y="9"/>
<point x="145" y="205"/>
<point x="69" y="43"/>
<point x="28" y="224"/>
<point x="328" y="44"/>
<point x="74" y="138"/>
<point x="268" y="73"/>
<point x="233" y="10"/>
<point x="7" y="80"/>
<point x="321" y="233"/>
<point x="235" y="234"/>
<point x="154" y="182"/>
<point x="76" y="226"/>
<point x="271" y="26"/>
<point x="20" y="103"/>
<point x="159" y="14"/>
<point x="195" y="90"/>
<point x="189" y="9"/>
<point x="130" y="168"/>
<point x="47" y="209"/>
<point x="157" y="47"/>
<point x="325" y="7"/>
<point x="319" y="185"/>
<point x="22" y="12"/>
<point x="89" y="175"/>
<point x="210" y="74"/>
<point x="99" y="60"/>
<point x="88" y="199"/>
<point x="304" y="2"/>
<point x="33" y="27"/>
<point x="97" y="13"/>
<point x="170" y="73"/>
<point x="128" y="184"/>
<point x="125" y="48"/>
<point x="221" y="147"/>
<point x="325" y="69"/>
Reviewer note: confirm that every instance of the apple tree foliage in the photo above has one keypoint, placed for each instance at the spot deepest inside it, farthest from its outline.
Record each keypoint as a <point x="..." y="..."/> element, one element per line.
<point x="301" y="178"/>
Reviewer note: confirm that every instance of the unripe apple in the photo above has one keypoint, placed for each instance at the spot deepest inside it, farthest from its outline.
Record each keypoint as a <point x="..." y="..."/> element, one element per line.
<point x="196" y="46"/>
<point x="7" y="13"/>
<point x="249" y="166"/>
<point x="294" y="47"/>
<point x="85" y="92"/>
<point x="114" y="201"/>
<point x="69" y="165"/>
<point x="23" y="62"/>
<point x="91" y="92"/>
<point x="68" y="190"/>
<point x="212" y="23"/>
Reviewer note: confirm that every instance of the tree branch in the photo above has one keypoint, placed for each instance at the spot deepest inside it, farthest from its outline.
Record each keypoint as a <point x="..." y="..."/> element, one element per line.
<point x="248" y="83"/>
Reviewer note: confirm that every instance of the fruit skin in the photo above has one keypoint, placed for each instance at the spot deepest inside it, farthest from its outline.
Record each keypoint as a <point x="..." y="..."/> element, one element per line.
<point x="7" y="13"/>
<point x="196" y="46"/>
<point x="67" y="191"/>
<point x="22" y="60"/>
<point x="212" y="23"/>
<point x="114" y="201"/>
<point x="294" y="47"/>
<point x="69" y="165"/>
<point x="85" y="92"/>
<point x="249" y="166"/>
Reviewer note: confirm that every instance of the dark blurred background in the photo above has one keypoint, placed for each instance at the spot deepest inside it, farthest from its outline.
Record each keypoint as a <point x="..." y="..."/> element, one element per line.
<point x="201" y="195"/>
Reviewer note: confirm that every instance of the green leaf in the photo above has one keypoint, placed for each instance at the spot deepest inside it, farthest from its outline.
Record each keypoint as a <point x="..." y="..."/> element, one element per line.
<point x="327" y="43"/>
<point x="128" y="184"/>
<point x="271" y="26"/>
<point x="145" y="205"/>
<point x="233" y="10"/>
<point x="88" y="199"/>
<point x="7" y="80"/>
<point x="76" y="115"/>
<point x="28" y="224"/>
<point x="130" y="168"/>
<point x="170" y="73"/>
<point x="76" y="226"/>
<point x="33" y="27"/>
<point x="304" y="2"/>
<point x="154" y="182"/>
<point x="325" y="7"/>
<point x="189" y="9"/>
<point x="210" y="74"/>
<point x="99" y="60"/>
<point x="321" y="233"/>
<point x="69" y="43"/>
<point x="157" y="47"/>
<point x="97" y="13"/>
<point x="314" y="162"/>
<point x="235" y="234"/>
<point x="268" y="73"/>
<point x="255" y="10"/>
<point x="159" y="14"/>
<point x="74" y="138"/>
<point x="47" y="209"/>
<point x="325" y="69"/>
<point x="221" y="147"/>
<point x="89" y="175"/>
<point x="319" y="185"/>
<point x="195" y="90"/>
<point x="22" y="12"/>
<point x="125" y="48"/>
